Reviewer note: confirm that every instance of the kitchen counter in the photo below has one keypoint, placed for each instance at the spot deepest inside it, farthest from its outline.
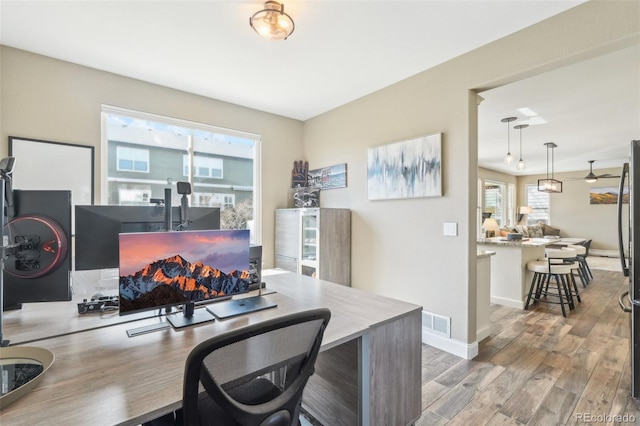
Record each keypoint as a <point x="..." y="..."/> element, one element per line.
<point x="510" y="279"/>
<point x="525" y="242"/>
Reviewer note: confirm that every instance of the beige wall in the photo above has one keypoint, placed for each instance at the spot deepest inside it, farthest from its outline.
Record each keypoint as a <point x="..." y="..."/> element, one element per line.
<point x="398" y="247"/>
<point x="44" y="98"/>
<point x="572" y="213"/>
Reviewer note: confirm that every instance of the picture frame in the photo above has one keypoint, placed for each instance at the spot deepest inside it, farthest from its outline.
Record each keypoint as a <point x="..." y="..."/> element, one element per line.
<point x="48" y="165"/>
<point x="407" y="169"/>
<point x="331" y="177"/>
<point x="607" y="195"/>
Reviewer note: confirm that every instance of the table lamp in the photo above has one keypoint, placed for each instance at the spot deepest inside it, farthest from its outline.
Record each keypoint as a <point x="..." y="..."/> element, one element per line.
<point x="490" y="226"/>
<point x="524" y="210"/>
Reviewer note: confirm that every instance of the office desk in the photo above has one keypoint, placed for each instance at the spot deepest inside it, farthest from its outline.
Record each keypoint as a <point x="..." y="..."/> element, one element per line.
<point x="369" y="370"/>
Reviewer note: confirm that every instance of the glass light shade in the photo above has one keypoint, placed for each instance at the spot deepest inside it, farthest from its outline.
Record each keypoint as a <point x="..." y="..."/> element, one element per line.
<point x="272" y="23"/>
<point x="521" y="165"/>
<point x="509" y="158"/>
<point x="591" y="179"/>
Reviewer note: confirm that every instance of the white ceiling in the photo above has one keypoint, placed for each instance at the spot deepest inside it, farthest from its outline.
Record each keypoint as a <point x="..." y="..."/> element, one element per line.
<point x="340" y="51"/>
<point x="591" y="109"/>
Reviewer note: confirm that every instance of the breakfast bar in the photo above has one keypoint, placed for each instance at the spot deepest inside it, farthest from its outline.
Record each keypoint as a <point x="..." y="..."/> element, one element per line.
<point x="510" y="279"/>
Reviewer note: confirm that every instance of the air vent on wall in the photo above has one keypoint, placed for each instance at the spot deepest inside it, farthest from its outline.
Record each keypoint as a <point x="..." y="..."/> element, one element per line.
<point x="437" y="324"/>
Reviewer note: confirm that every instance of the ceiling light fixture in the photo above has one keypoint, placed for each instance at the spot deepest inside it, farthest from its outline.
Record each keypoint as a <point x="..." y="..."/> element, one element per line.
<point x="591" y="177"/>
<point x="521" y="164"/>
<point x="509" y="158"/>
<point x="271" y="22"/>
<point x="549" y="184"/>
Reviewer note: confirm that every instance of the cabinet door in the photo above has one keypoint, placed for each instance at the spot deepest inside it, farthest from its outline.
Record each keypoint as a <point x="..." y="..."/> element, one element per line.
<point x="288" y="232"/>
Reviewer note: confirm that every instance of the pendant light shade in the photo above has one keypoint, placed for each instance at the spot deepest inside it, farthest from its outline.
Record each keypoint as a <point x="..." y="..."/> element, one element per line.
<point x="508" y="158"/>
<point x="550" y="184"/>
<point x="271" y="22"/>
<point x="521" y="165"/>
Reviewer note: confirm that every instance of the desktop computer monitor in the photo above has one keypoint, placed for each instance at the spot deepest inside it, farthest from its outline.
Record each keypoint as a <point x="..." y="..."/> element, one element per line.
<point x="164" y="269"/>
<point x="97" y="229"/>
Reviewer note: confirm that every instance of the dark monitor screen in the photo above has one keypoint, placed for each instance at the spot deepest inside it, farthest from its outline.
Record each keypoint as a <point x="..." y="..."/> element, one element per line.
<point x="97" y="229"/>
<point x="161" y="269"/>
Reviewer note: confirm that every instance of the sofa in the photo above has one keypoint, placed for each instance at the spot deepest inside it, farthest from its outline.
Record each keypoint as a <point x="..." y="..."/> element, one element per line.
<point x="538" y="230"/>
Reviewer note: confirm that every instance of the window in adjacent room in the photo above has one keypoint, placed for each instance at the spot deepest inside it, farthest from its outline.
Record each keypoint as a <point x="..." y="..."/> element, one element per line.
<point x="145" y="153"/>
<point x="511" y="204"/>
<point x="539" y="203"/>
<point x="495" y="200"/>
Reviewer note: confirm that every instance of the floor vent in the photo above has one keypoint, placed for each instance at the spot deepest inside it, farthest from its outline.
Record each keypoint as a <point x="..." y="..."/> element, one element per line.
<point x="435" y="323"/>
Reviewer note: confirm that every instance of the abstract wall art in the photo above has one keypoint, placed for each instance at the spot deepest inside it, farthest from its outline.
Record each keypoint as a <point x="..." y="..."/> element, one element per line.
<point x="406" y="169"/>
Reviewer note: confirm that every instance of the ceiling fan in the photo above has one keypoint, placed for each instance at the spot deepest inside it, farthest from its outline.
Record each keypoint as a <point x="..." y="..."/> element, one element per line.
<point x="592" y="177"/>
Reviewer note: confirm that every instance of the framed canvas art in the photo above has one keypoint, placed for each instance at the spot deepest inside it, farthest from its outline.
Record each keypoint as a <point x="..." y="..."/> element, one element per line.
<point x="406" y="169"/>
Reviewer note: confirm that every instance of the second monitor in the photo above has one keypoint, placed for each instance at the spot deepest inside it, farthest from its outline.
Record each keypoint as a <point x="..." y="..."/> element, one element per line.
<point x="97" y="229"/>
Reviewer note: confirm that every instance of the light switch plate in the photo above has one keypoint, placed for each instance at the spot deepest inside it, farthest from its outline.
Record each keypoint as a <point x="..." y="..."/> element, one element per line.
<point x="450" y="229"/>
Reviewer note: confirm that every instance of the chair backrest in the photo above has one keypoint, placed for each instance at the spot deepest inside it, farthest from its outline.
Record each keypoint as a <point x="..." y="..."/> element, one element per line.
<point x="254" y="375"/>
<point x="587" y="245"/>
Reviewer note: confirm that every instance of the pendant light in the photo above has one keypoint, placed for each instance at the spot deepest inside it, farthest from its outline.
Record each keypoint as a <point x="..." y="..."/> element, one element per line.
<point x="550" y="184"/>
<point x="509" y="158"/>
<point x="521" y="164"/>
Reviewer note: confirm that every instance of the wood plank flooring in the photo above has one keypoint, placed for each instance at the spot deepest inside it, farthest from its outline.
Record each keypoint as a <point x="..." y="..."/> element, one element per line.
<point x="539" y="368"/>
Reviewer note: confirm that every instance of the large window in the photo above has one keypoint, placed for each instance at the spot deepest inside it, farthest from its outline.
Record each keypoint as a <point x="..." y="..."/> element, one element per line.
<point x="144" y="153"/>
<point x="495" y="201"/>
<point x="539" y="203"/>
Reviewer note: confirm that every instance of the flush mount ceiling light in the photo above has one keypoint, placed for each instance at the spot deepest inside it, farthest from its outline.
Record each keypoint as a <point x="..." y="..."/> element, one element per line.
<point x="509" y="158"/>
<point x="521" y="164"/>
<point x="549" y="184"/>
<point x="271" y="22"/>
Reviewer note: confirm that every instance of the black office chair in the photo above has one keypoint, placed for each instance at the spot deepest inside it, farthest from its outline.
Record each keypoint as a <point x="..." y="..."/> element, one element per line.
<point x="254" y="375"/>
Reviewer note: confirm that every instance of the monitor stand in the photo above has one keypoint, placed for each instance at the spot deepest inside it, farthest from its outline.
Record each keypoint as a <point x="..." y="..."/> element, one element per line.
<point x="190" y="316"/>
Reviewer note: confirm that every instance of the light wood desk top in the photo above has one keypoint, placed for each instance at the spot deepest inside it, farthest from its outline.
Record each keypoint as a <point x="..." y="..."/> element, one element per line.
<point x="101" y="376"/>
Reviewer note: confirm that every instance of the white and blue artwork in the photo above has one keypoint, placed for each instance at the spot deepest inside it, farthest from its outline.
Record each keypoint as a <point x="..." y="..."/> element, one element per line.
<point x="407" y="169"/>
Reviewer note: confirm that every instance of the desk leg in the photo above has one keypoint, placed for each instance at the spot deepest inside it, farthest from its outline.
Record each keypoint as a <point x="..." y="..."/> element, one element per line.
<point x="395" y="376"/>
<point x="375" y="379"/>
<point x="364" y="379"/>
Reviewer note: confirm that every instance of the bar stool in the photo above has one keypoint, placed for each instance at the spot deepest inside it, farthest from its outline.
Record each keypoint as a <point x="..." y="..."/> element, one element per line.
<point x="587" y="245"/>
<point x="581" y="259"/>
<point x="558" y="264"/>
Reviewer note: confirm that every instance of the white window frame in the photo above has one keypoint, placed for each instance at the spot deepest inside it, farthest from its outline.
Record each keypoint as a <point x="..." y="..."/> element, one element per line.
<point x="256" y="228"/>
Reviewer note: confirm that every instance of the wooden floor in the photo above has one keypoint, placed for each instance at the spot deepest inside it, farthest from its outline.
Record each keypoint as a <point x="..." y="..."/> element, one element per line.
<point x="539" y="368"/>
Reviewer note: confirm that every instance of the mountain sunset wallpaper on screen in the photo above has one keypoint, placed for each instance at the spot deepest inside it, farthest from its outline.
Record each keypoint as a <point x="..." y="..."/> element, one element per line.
<point x="166" y="268"/>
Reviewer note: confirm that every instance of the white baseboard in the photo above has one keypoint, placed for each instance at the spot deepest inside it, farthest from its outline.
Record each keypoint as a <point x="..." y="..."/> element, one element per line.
<point x="604" y="253"/>
<point x="455" y="347"/>
<point x="511" y="303"/>
<point x="483" y="333"/>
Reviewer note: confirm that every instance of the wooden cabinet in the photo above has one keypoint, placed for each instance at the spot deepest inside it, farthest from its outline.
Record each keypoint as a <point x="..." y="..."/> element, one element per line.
<point x="315" y="242"/>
